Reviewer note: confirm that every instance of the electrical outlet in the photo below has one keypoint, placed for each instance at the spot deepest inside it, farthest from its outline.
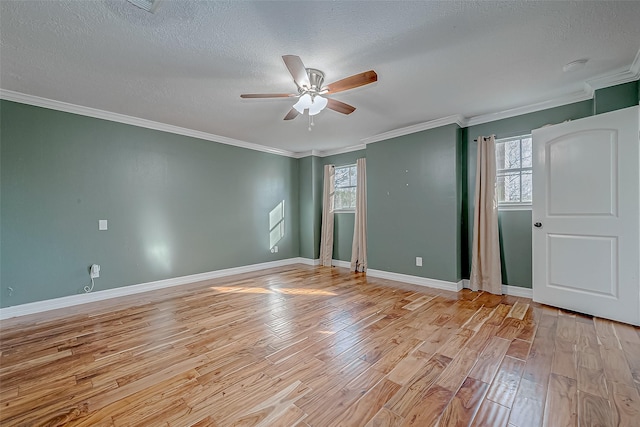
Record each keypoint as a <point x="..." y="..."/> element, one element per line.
<point x="418" y="261"/>
<point x="94" y="271"/>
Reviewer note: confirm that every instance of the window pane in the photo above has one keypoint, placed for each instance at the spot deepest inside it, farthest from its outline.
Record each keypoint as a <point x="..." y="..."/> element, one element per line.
<point x="512" y="154"/>
<point x="345" y="198"/>
<point x="526" y="152"/>
<point x="354" y="176"/>
<point x="527" y="186"/>
<point x="508" y="187"/>
<point x="342" y="177"/>
<point x="500" y="155"/>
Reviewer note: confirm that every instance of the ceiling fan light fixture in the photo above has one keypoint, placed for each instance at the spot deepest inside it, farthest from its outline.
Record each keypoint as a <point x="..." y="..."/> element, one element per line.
<point x="303" y="103"/>
<point x="148" y="5"/>
<point x="319" y="103"/>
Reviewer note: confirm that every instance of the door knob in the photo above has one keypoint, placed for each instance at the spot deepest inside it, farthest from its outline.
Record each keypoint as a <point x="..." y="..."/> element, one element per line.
<point x="537" y="224"/>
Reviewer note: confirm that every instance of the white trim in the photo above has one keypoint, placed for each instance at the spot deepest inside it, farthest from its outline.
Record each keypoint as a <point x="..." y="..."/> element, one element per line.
<point x="570" y="98"/>
<point x="514" y="207"/>
<point x="340" y="263"/>
<point x="308" y="261"/>
<point x="72" y="300"/>
<point x="416" y="280"/>
<point x="37" y="101"/>
<point x="327" y="153"/>
<point x="635" y="65"/>
<point x="516" y="291"/>
<point x="432" y="124"/>
<point x="617" y="77"/>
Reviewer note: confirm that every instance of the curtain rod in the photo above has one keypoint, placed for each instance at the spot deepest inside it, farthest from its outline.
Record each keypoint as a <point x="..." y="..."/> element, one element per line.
<point x="484" y="137"/>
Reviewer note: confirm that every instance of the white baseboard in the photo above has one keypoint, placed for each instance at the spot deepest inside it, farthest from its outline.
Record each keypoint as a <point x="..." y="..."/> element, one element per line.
<point x="339" y="263"/>
<point x="416" y="280"/>
<point x="516" y="291"/>
<point x="308" y="261"/>
<point x="71" y="300"/>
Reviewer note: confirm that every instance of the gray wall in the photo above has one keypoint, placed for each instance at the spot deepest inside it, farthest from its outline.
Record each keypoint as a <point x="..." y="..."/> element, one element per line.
<point x="414" y="204"/>
<point x="175" y="205"/>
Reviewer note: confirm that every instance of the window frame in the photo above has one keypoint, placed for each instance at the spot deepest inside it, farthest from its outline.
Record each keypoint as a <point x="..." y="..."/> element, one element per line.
<point x="513" y="206"/>
<point x="335" y="188"/>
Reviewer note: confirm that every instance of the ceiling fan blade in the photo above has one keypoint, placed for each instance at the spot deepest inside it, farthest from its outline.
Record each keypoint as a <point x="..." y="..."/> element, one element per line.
<point x="351" y="82"/>
<point x="267" y="95"/>
<point x="297" y="69"/>
<point x="340" y="106"/>
<point x="292" y="114"/>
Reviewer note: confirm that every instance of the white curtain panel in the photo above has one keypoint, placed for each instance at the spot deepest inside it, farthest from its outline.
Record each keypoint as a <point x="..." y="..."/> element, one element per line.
<point x="485" y="258"/>
<point x="359" y="246"/>
<point x="326" y="234"/>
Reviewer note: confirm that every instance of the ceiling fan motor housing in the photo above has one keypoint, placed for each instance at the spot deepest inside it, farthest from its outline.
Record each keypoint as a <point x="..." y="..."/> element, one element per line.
<point x="316" y="78"/>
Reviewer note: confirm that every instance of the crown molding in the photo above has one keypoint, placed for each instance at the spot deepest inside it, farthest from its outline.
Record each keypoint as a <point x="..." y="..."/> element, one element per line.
<point x="37" y="101"/>
<point x="349" y="149"/>
<point x="327" y="153"/>
<point x="617" y="77"/>
<point x="569" y="98"/>
<point x="432" y="124"/>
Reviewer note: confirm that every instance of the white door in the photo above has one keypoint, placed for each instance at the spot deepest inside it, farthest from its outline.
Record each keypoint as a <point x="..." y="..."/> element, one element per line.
<point x="586" y="215"/>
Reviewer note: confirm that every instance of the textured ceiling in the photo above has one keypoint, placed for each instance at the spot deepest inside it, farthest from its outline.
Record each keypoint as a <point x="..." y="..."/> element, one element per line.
<point x="187" y="64"/>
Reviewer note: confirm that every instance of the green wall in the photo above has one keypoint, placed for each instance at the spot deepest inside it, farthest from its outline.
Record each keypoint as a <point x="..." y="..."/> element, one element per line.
<point x="307" y="193"/>
<point x="414" y="204"/>
<point x="175" y="205"/>
<point x="178" y="205"/>
<point x="616" y="97"/>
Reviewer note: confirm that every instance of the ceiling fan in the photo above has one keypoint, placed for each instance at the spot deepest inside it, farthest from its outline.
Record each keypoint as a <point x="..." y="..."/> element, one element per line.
<point x="309" y="82"/>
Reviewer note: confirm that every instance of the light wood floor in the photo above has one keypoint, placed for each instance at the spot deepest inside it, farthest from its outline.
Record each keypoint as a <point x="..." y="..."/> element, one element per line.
<point x="304" y="346"/>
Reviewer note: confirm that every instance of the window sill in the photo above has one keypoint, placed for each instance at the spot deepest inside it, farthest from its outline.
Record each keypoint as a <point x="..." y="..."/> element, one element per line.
<point x="522" y="207"/>
<point x="344" y="211"/>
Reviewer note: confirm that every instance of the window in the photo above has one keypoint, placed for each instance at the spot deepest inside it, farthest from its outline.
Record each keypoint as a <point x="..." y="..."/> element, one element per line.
<point x="344" y="198"/>
<point x="513" y="164"/>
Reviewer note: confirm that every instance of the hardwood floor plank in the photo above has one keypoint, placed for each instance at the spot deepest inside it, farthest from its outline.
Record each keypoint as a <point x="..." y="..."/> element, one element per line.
<point x="519" y="349"/>
<point x="312" y="347"/>
<point x="490" y="359"/>
<point x="594" y="410"/>
<point x="505" y="384"/>
<point x="561" y="409"/>
<point x="465" y="403"/>
<point x="527" y="409"/>
<point x="385" y="418"/>
<point x="565" y="359"/>
<point x="491" y="414"/>
<point x="615" y="365"/>
<point x="366" y="407"/>
<point x="627" y="404"/>
<point x="428" y="410"/>
<point x="413" y="392"/>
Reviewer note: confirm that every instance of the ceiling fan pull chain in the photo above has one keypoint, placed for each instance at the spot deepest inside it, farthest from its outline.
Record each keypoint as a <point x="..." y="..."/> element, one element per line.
<point x="310" y="122"/>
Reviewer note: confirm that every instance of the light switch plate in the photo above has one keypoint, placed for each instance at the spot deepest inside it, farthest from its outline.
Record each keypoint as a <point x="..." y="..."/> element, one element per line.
<point x="419" y="261"/>
<point x="102" y="224"/>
